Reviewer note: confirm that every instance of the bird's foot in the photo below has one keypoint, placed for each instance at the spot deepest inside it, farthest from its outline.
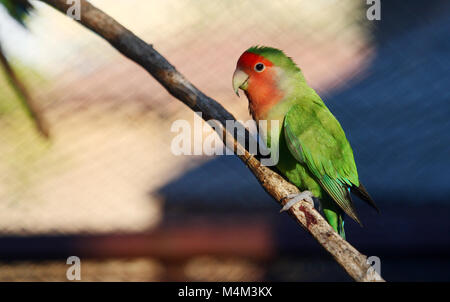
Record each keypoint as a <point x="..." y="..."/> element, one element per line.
<point x="294" y="198"/>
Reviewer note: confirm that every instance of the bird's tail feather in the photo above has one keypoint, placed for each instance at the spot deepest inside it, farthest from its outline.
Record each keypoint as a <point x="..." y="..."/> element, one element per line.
<point x="334" y="215"/>
<point x="362" y="193"/>
<point x="340" y="228"/>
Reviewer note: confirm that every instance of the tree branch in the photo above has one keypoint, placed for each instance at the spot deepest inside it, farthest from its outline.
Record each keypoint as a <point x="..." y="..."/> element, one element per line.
<point x="32" y="108"/>
<point x="354" y="263"/>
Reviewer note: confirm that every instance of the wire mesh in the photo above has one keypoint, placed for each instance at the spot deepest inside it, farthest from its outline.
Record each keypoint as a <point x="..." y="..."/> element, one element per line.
<point x="108" y="167"/>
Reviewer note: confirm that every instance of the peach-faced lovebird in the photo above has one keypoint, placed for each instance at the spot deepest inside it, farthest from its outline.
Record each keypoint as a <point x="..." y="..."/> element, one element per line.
<point x="314" y="153"/>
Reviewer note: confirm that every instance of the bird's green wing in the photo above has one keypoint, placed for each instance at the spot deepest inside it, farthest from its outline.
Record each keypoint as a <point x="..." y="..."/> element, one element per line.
<point x="314" y="137"/>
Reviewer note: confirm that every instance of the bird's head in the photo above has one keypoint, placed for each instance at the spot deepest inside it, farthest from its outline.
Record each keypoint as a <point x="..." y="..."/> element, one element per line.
<point x="263" y="73"/>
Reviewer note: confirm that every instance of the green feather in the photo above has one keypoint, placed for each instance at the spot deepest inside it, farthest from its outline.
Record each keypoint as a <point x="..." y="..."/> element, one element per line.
<point x="18" y="9"/>
<point x="326" y="151"/>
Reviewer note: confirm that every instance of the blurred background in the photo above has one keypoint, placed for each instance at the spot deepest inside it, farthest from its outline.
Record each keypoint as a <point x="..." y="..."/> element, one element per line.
<point x="106" y="187"/>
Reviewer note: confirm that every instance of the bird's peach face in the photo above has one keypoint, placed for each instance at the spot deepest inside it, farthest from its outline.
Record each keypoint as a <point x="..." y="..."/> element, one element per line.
<point x="251" y="68"/>
<point x="258" y="78"/>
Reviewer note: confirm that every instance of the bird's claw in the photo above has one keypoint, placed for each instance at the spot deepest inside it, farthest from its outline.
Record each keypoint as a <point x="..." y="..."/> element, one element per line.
<point x="294" y="198"/>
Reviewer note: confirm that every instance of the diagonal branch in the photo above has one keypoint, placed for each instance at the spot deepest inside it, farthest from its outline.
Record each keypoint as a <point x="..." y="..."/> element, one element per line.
<point x="177" y="85"/>
<point x="32" y="108"/>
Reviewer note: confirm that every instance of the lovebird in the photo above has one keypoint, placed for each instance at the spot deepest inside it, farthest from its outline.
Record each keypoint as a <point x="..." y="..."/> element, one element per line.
<point x="314" y="153"/>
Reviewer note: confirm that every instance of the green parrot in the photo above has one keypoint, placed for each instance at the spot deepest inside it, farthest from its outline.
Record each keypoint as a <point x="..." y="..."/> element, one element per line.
<point x="314" y="153"/>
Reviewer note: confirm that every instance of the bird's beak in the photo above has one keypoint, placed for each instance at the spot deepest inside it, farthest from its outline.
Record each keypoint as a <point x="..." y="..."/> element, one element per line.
<point x="240" y="80"/>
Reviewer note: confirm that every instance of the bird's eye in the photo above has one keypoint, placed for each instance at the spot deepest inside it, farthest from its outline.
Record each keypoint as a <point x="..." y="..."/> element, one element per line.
<point x="259" y="67"/>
